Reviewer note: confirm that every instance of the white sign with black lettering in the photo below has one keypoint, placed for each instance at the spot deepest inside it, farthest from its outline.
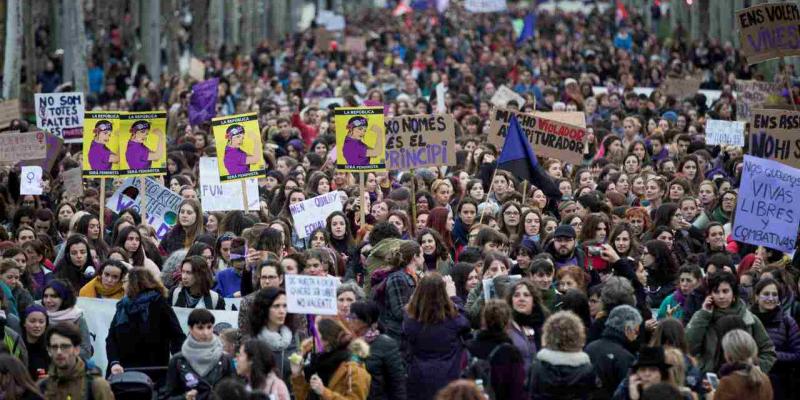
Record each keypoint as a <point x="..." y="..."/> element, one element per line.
<point x="311" y="294"/>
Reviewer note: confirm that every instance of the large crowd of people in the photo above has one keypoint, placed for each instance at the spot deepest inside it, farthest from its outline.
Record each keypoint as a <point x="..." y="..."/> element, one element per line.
<point x="616" y="278"/>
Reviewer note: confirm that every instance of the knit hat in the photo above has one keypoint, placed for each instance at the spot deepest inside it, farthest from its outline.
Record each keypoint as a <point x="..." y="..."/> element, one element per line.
<point x="32" y="309"/>
<point x="670" y="116"/>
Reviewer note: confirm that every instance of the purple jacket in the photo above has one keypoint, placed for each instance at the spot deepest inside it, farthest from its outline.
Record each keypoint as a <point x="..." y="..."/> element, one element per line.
<point x="434" y="354"/>
<point x="785" y="335"/>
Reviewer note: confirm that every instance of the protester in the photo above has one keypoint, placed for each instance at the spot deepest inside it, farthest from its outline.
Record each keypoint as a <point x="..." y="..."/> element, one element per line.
<point x="60" y="302"/>
<point x="741" y="376"/>
<point x="385" y="363"/>
<point x="69" y="376"/>
<point x="195" y="286"/>
<point x="107" y="284"/>
<point x="268" y="322"/>
<point x="616" y="350"/>
<point x="35" y="324"/>
<point x="256" y="364"/>
<point x="15" y="381"/>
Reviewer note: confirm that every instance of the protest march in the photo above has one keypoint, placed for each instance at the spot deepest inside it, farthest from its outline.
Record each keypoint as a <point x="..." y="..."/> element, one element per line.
<point x="400" y="199"/>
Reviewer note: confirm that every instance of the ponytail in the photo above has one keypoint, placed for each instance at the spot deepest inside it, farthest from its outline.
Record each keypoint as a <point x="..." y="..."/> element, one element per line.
<point x="754" y="376"/>
<point x="403" y="255"/>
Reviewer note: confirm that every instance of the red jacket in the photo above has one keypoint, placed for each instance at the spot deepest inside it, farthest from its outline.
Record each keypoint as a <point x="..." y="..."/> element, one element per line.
<point x="308" y="132"/>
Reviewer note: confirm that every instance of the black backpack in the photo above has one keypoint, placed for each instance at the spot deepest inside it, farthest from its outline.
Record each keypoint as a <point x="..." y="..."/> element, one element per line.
<point x="479" y="368"/>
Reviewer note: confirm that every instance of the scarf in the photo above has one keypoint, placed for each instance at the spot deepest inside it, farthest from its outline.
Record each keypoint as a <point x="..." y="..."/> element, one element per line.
<point x="533" y="320"/>
<point x="277" y="341"/>
<point x="325" y="364"/>
<point x="71" y="314"/>
<point x="720" y="216"/>
<point x="202" y="356"/>
<point x="430" y="262"/>
<point x="765" y="317"/>
<point x="127" y="308"/>
<point x="114" y="292"/>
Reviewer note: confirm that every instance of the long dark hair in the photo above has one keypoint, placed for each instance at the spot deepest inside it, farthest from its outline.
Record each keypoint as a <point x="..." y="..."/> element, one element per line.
<point x="138" y="256"/>
<point x="15" y="380"/>
<point x="259" y="310"/>
<point x="262" y="361"/>
<point x="202" y="274"/>
<point x="664" y="269"/>
<point x="430" y="304"/>
<point x="68" y="271"/>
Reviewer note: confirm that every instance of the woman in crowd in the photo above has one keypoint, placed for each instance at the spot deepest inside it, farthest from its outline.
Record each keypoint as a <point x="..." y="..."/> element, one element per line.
<point x="528" y="316"/>
<point x="741" y="377"/>
<point x="256" y="364"/>
<point x="683" y="302"/>
<point x="400" y="285"/>
<point x="59" y="300"/>
<point x="15" y="383"/>
<point x="434" y="250"/>
<point x="465" y="277"/>
<point x="131" y="240"/>
<point x="34" y="325"/>
<point x="107" y="284"/>
<point x="77" y="266"/>
<point x="11" y="274"/>
<point x="189" y="226"/>
<point x="385" y="362"/>
<point x="268" y="323"/>
<point x="195" y="290"/>
<point x="661" y="271"/>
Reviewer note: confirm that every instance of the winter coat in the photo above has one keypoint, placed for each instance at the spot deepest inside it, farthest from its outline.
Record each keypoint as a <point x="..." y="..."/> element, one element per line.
<point x="705" y="343"/>
<point x="350" y="380"/>
<point x="179" y="297"/>
<point x="576" y="258"/>
<point x="525" y="343"/>
<point x="38" y="357"/>
<point x="179" y="371"/>
<point x="562" y="375"/>
<point x="399" y="288"/>
<point x="434" y="354"/>
<point x="507" y="367"/>
<point x="785" y="335"/>
<point x="386" y="366"/>
<point x="733" y="385"/>
<point x="612" y="357"/>
<point x="61" y="384"/>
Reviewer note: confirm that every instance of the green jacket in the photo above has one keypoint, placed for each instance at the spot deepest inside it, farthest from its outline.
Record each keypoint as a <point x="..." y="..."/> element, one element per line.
<point x="670" y="303"/>
<point x="705" y="344"/>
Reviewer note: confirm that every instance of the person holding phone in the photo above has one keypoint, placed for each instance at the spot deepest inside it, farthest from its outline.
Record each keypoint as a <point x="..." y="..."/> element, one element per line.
<point x="741" y="375"/>
<point x="651" y="368"/>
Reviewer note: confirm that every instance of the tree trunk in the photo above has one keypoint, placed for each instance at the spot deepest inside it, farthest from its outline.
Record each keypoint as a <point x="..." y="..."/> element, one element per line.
<point x="151" y="38"/>
<point x="199" y="27"/>
<point x="12" y="64"/>
<point x="170" y="10"/>
<point x="247" y="25"/>
<point x="216" y="25"/>
<point x="74" y="68"/>
<point x="232" y="18"/>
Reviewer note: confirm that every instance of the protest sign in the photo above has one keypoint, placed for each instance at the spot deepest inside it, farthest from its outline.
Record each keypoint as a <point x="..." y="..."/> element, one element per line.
<point x="61" y="114"/>
<point x="680" y="88"/>
<point x="224" y="196"/>
<point x="9" y="111"/>
<point x="203" y="101"/>
<point x="73" y="184"/>
<point x="720" y="132"/>
<point x="355" y="44"/>
<point x="548" y="137"/>
<point x="769" y="31"/>
<point x="441" y="90"/>
<point x="99" y="313"/>
<point x="756" y="94"/>
<point x="311" y="294"/>
<point x="53" y="147"/>
<point x="197" y="69"/>
<point x="308" y="215"/>
<point x="238" y="141"/>
<point x="766" y="211"/>
<point x="162" y="204"/>
<point x="330" y="20"/>
<point x="16" y="147"/>
<point x="30" y="181"/>
<point x="503" y="95"/>
<point x="101" y="144"/>
<point x="416" y="141"/>
<point x="360" y="139"/>
<point x="323" y="39"/>
<point x="773" y="135"/>
<point x="485" y="6"/>
<point x="143" y="143"/>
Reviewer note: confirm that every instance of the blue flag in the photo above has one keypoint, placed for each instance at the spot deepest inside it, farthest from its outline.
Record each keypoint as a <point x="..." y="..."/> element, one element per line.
<point x="517" y="155"/>
<point x="528" y="29"/>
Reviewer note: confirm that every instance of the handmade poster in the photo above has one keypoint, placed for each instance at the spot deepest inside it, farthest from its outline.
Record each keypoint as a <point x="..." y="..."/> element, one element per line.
<point x="240" y="153"/>
<point x="416" y="141"/>
<point x="720" y="132"/>
<point x="548" y="137"/>
<point x="773" y="135"/>
<point x="503" y="95"/>
<point x="360" y="139"/>
<point x="15" y="147"/>
<point x="9" y="111"/>
<point x="143" y="143"/>
<point x="766" y="211"/>
<point x="61" y="114"/>
<point x="53" y="146"/>
<point x="680" y="88"/>
<point x="355" y="44"/>
<point x="768" y="31"/>
<point x="311" y="294"/>
<point x="30" y="180"/>
<point x="224" y="196"/>
<point x="73" y="184"/>
<point x="308" y="215"/>
<point x="197" y="69"/>
<point x="162" y="204"/>
<point x="101" y="155"/>
<point x="485" y="6"/>
<point x="756" y="94"/>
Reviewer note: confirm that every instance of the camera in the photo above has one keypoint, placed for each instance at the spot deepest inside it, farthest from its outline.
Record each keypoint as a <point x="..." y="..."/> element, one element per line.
<point x="594" y="250"/>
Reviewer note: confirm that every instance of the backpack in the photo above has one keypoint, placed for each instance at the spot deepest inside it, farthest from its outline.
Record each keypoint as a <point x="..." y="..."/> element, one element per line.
<point x="209" y="301"/>
<point x="378" y="280"/>
<point x="481" y="369"/>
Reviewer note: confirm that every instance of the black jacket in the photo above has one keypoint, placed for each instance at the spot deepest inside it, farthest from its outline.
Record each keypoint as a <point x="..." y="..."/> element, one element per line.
<point x="507" y="366"/>
<point x="561" y="375"/>
<point x="385" y="365"/>
<point x="611" y="358"/>
<point x="179" y="370"/>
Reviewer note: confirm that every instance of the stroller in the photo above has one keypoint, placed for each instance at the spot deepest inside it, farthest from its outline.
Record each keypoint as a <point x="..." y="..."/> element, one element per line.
<point x="135" y="384"/>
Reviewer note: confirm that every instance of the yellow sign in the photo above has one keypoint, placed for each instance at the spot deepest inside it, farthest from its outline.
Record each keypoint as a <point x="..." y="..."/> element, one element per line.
<point x="360" y="139"/>
<point x="240" y="154"/>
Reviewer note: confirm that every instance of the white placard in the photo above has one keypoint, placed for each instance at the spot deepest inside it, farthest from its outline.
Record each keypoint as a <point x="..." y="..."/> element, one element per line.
<point x="162" y="204"/>
<point x="484" y="6"/>
<point x="225" y="196"/>
<point x="503" y="95"/>
<point x="330" y="20"/>
<point x="441" y="89"/>
<point x="310" y="214"/>
<point x="61" y="114"/>
<point x="311" y="294"/>
<point x="721" y="132"/>
<point x="31" y="180"/>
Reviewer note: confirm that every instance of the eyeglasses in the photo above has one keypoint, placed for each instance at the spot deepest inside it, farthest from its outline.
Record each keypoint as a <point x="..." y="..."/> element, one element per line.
<point x="55" y="348"/>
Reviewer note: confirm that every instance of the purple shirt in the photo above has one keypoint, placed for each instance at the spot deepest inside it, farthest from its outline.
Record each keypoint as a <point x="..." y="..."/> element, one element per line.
<point x="99" y="157"/>
<point x="137" y="154"/>
<point x="235" y="161"/>
<point x="355" y="152"/>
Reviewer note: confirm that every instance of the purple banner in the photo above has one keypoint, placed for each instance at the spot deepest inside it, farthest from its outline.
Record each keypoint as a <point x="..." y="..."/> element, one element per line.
<point x="202" y="104"/>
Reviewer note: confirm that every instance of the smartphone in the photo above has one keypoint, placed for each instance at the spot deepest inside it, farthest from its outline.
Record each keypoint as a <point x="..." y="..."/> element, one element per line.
<point x="713" y="380"/>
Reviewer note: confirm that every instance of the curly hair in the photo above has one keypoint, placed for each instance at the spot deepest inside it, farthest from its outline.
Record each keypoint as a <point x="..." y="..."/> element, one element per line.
<point x="259" y="309"/>
<point x="564" y="331"/>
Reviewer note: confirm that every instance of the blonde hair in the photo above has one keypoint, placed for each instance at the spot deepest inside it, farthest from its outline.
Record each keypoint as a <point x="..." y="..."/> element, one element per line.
<point x="739" y="347"/>
<point x="564" y="331"/>
<point x="675" y="358"/>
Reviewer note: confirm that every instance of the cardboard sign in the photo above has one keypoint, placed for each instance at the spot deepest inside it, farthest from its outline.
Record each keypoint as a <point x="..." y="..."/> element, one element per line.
<point x="485" y="6"/>
<point x="767" y="212"/>
<point x="680" y="88"/>
<point x="101" y="144"/>
<point x="9" y="111"/>
<point x="756" y="94"/>
<point x="355" y="44"/>
<point x="61" y="114"/>
<point x="16" y="147"/>
<point x="53" y="146"/>
<point x="360" y="139"/>
<point x="73" y="183"/>
<point x="308" y="215"/>
<point x="224" y="196"/>
<point x="548" y="137"/>
<point x="769" y="31"/>
<point x="720" y="132"/>
<point x="197" y="69"/>
<point x="773" y="135"/>
<point x="503" y="95"/>
<point x="416" y="141"/>
<point x="143" y="143"/>
<point x="322" y="39"/>
<point x="162" y="204"/>
<point x="30" y="180"/>
<point x="238" y="141"/>
<point x="311" y="294"/>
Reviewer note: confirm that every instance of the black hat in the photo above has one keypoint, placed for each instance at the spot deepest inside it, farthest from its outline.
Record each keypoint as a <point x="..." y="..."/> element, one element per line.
<point x="564" y="231"/>
<point x="651" y="357"/>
